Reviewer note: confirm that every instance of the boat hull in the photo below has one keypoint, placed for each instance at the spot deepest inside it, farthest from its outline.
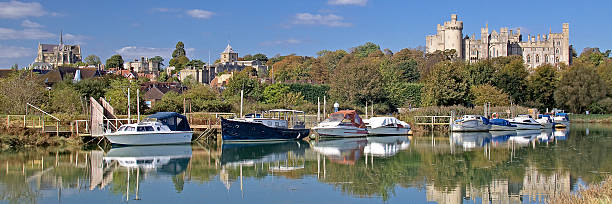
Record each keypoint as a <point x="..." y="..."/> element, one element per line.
<point x="388" y="131"/>
<point x="527" y="126"/>
<point x="502" y="128"/>
<point x="178" y="137"/>
<point x="243" y="131"/>
<point x="470" y="126"/>
<point x="341" y="132"/>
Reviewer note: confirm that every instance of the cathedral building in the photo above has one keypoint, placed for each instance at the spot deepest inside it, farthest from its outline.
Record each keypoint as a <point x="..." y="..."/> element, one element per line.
<point x="54" y="55"/>
<point x="551" y="48"/>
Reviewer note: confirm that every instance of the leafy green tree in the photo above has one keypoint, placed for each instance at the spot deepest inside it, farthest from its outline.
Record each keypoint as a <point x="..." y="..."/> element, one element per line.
<point x="542" y="85"/>
<point x="158" y="59"/>
<point x="93" y="60"/>
<point x="170" y="102"/>
<point x="179" y="50"/>
<point x="404" y="94"/>
<point x="243" y="81"/>
<point x="446" y="85"/>
<point x="79" y="64"/>
<point x="115" y="61"/>
<point x="178" y="62"/>
<point x="605" y="72"/>
<point x="292" y="68"/>
<point x="579" y="87"/>
<point x="486" y="93"/>
<point x="260" y="57"/>
<point x="117" y="95"/>
<point x="512" y="79"/>
<point x="357" y="81"/>
<point x="274" y="93"/>
<point x="93" y="87"/>
<point x="196" y="64"/>
<point x="366" y="49"/>
<point x="64" y="98"/>
<point x="18" y="88"/>
<point x="481" y="72"/>
<point x="15" y="67"/>
<point x="163" y="77"/>
<point x="189" y="81"/>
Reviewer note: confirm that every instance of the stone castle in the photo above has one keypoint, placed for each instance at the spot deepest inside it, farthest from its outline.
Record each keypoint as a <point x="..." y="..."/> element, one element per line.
<point x="551" y="48"/>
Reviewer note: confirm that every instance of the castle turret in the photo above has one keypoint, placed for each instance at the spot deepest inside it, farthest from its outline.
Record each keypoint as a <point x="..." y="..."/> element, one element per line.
<point x="453" y="35"/>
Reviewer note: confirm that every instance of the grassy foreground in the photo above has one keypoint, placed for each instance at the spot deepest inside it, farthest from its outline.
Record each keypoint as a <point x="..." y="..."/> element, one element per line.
<point x="595" y="193"/>
<point x="17" y="137"/>
<point x="591" y="118"/>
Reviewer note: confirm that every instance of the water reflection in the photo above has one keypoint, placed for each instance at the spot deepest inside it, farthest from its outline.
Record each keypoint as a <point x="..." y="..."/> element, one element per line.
<point x="496" y="167"/>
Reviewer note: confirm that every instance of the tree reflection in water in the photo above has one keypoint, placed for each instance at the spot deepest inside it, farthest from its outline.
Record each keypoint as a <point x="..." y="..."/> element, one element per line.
<point x="451" y="168"/>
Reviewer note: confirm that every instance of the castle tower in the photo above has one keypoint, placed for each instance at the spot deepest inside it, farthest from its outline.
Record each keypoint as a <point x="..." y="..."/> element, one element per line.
<point x="484" y="38"/>
<point x="453" y="36"/>
<point x="566" y="53"/>
<point x="229" y="55"/>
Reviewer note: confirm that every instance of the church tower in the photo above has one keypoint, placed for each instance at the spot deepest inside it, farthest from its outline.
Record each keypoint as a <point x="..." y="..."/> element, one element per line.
<point x="229" y="55"/>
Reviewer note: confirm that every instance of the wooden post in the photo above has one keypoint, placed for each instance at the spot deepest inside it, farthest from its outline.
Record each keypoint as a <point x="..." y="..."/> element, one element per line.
<point x="77" y="128"/>
<point x="128" y="112"/>
<point x="366" y="116"/>
<point x="43" y="126"/>
<point x="324" y="107"/>
<point x="138" y="104"/>
<point x="24" y="121"/>
<point x="318" y="109"/>
<point x="57" y="128"/>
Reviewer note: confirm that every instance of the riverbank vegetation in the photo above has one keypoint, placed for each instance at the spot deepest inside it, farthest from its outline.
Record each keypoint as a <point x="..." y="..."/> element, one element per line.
<point x="594" y="193"/>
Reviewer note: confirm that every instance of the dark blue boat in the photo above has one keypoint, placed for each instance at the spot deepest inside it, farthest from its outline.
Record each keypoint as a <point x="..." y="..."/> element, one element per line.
<point x="282" y="125"/>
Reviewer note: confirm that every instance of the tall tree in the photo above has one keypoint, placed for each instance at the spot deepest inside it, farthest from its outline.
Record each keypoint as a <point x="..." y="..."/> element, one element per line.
<point x="542" y="85"/>
<point x="485" y="93"/>
<point x="179" y="50"/>
<point x="115" y="61"/>
<point x="446" y="85"/>
<point x="366" y="49"/>
<point x="357" y="80"/>
<point x="579" y="87"/>
<point x="158" y="59"/>
<point x="512" y="80"/>
<point x="93" y="60"/>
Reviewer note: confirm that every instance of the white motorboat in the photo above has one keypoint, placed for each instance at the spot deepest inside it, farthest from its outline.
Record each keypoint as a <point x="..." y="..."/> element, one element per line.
<point x="159" y="128"/>
<point x="344" y="123"/>
<point x="471" y="123"/>
<point x="546" y="121"/>
<point x="387" y="126"/>
<point x="561" y="120"/>
<point x="525" y="122"/>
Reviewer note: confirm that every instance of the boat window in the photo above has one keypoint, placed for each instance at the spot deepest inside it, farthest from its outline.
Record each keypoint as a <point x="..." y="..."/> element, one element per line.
<point x="158" y="129"/>
<point x="149" y="128"/>
<point x="121" y="128"/>
<point x="129" y="128"/>
<point x="140" y="129"/>
<point x="526" y="121"/>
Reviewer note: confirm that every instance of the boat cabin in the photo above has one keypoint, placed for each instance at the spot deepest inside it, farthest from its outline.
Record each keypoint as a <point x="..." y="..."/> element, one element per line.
<point x="174" y="121"/>
<point x="279" y="118"/>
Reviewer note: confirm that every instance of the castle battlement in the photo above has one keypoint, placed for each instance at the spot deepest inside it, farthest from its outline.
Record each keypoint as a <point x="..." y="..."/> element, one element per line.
<point x="552" y="48"/>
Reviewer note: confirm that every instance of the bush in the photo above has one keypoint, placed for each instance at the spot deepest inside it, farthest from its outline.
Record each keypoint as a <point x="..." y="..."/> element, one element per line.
<point x="310" y="91"/>
<point x="601" y="107"/>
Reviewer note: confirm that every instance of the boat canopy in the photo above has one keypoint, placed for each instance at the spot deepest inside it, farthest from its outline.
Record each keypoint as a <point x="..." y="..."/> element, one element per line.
<point x="500" y="122"/>
<point x="174" y="121"/>
<point x="349" y="115"/>
<point x="376" y="122"/>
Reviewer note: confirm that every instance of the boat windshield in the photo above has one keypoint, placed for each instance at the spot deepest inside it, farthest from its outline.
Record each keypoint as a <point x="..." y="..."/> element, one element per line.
<point x="122" y="128"/>
<point x="145" y="128"/>
<point x="129" y="128"/>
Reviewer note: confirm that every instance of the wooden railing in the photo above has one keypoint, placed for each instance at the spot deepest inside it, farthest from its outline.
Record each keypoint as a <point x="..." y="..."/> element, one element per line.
<point x="433" y="120"/>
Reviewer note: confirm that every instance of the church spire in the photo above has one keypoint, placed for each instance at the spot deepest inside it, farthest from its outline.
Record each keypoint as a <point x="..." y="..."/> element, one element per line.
<point x="61" y="37"/>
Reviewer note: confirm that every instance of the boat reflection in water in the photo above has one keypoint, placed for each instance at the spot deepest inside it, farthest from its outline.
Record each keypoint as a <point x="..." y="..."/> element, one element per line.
<point x="249" y="154"/>
<point x="167" y="160"/>
<point x="470" y="140"/>
<point x="561" y="133"/>
<point x="501" y="137"/>
<point x="342" y="151"/>
<point x="546" y="135"/>
<point x="524" y="137"/>
<point x="386" y="146"/>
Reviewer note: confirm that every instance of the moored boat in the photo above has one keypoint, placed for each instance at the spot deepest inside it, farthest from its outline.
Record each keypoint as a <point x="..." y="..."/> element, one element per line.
<point x="525" y="122"/>
<point x="561" y="120"/>
<point x="546" y="121"/>
<point x="280" y="125"/>
<point x="159" y="128"/>
<point x="471" y="123"/>
<point x="344" y="123"/>
<point x="501" y="125"/>
<point x="387" y="126"/>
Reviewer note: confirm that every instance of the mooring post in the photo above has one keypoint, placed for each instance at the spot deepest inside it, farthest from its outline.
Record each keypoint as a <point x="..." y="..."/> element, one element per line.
<point x="57" y="128"/>
<point x="450" y="123"/>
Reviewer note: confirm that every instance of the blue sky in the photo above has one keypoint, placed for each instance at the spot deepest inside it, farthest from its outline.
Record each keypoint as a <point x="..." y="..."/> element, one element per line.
<point x="146" y="28"/>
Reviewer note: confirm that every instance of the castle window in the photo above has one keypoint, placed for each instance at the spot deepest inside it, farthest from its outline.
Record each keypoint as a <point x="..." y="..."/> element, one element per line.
<point x="557" y="60"/>
<point x="557" y="51"/>
<point x="537" y="58"/>
<point x="546" y="58"/>
<point x="528" y="58"/>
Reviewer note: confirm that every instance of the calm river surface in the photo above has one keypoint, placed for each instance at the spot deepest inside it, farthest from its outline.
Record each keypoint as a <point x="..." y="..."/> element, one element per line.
<point x="523" y="167"/>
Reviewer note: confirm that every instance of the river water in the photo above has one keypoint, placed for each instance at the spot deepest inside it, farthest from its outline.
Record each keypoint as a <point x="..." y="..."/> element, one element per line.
<point x="523" y="167"/>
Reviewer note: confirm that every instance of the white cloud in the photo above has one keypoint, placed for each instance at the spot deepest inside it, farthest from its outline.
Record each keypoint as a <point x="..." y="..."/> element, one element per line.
<point x="289" y="41"/>
<point x="331" y="20"/>
<point x="15" y="52"/>
<point x="30" y="24"/>
<point x="198" y="13"/>
<point x="348" y="2"/>
<point x="28" y="33"/>
<point x="16" y="9"/>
